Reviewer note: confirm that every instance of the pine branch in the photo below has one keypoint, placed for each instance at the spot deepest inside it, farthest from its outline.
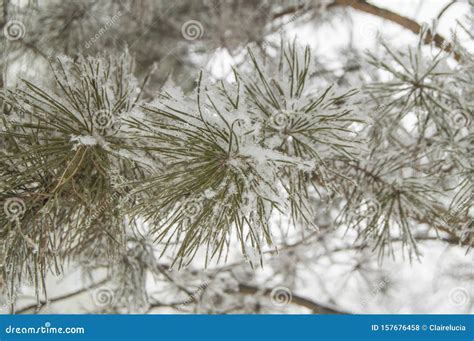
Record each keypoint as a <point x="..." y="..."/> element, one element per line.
<point x="407" y="23"/>
<point x="62" y="153"/>
<point x="231" y="152"/>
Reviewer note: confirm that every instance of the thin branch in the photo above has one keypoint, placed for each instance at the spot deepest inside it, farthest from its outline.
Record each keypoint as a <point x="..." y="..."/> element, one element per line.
<point x="289" y="10"/>
<point x="405" y="22"/>
<point x="41" y="304"/>
<point x="316" y="308"/>
<point x="410" y="24"/>
<point x="445" y="8"/>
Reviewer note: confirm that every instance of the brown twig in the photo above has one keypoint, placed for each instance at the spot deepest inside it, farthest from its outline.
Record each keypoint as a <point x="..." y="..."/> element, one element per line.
<point x="316" y="308"/>
<point x="405" y="22"/>
<point x="410" y="24"/>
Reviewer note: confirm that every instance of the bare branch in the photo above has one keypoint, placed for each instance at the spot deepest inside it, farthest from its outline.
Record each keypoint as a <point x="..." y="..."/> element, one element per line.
<point x="405" y="22"/>
<point x="40" y="305"/>
<point x="316" y="308"/>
